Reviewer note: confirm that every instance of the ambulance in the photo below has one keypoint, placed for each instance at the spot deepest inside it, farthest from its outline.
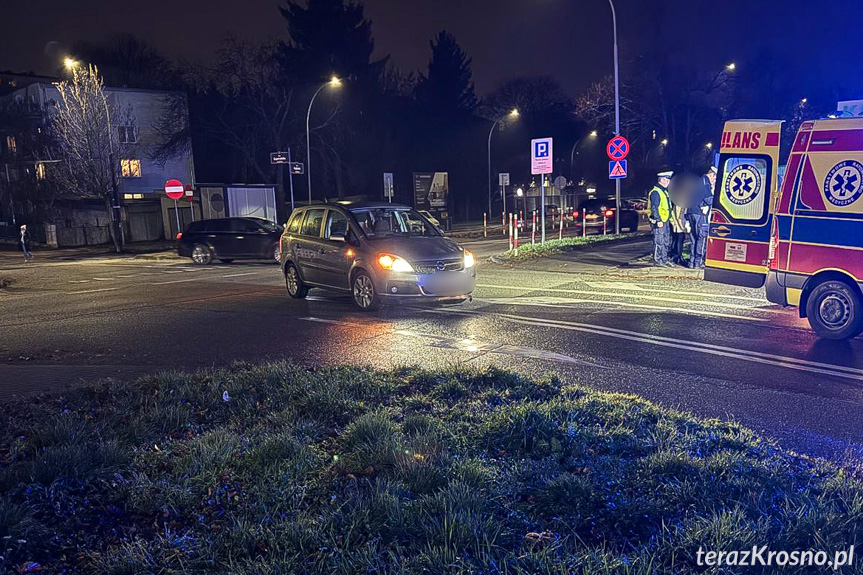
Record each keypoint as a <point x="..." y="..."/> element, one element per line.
<point x="803" y="239"/>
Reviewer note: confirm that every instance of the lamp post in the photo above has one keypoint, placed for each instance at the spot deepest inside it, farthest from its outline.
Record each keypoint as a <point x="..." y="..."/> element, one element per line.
<point x="575" y="146"/>
<point x="513" y="114"/>
<point x="334" y="82"/>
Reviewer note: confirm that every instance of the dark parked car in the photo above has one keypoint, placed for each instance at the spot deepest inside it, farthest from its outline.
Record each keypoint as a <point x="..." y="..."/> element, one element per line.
<point x="229" y="239"/>
<point x="599" y="215"/>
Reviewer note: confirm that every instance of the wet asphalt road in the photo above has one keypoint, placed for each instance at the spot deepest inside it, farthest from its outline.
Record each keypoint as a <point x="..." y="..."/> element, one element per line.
<point x="591" y="317"/>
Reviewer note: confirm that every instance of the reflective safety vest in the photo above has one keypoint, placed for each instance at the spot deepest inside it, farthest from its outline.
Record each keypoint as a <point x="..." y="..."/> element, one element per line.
<point x="664" y="206"/>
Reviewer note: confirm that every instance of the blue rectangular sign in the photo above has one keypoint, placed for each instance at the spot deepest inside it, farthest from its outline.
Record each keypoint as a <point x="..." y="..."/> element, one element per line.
<point x="617" y="169"/>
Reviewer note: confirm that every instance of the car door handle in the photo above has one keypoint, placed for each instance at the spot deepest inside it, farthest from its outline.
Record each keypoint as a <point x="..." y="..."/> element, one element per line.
<point x="721" y="231"/>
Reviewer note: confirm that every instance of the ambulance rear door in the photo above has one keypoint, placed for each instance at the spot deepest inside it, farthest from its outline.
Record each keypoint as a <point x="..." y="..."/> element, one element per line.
<point x="743" y="201"/>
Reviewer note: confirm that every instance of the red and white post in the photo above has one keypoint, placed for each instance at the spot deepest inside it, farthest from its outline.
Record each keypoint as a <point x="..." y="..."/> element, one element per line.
<point x="560" y="228"/>
<point x="510" y="232"/>
<point x="515" y="235"/>
<point x="484" y="225"/>
<point x="533" y="229"/>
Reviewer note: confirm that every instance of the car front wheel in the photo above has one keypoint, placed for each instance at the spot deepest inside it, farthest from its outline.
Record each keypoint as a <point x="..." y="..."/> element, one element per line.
<point x="202" y="255"/>
<point x="363" y="290"/>
<point x="294" y="284"/>
<point x="835" y="311"/>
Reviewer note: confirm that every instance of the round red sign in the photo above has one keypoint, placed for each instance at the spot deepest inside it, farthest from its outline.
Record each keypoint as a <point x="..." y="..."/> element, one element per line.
<point x="618" y="148"/>
<point x="174" y="189"/>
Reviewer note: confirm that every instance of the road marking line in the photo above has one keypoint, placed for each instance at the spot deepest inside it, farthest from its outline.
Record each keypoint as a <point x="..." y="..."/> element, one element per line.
<point x="91" y="291"/>
<point x="606" y="294"/>
<point x="243" y="274"/>
<point x="79" y="281"/>
<point x="131" y="275"/>
<point x="627" y="287"/>
<point x="722" y="351"/>
<point x="104" y="279"/>
<point x="516" y="301"/>
<point x="175" y="282"/>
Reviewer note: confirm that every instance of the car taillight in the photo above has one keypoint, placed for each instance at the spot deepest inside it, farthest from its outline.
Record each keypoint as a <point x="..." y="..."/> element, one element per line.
<point x="575" y="213"/>
<point x="179" y="235"/>
<point x="281" y="238"/>
<point x="609" y="213"/>
<point x="774" y="243"/>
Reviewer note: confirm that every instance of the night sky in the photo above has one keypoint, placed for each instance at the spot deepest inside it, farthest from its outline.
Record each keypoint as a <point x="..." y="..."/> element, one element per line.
<point x="568" y="39"/>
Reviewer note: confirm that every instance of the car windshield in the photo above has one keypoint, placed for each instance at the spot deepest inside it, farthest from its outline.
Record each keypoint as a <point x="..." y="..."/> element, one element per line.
<point x="380" y="222"/>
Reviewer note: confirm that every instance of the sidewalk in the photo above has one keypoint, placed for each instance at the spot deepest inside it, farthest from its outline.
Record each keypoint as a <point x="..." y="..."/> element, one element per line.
<point x="156" y="249"/>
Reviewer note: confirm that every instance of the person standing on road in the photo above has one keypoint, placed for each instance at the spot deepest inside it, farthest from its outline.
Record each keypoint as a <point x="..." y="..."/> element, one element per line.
<point x="659" y="206"/>
<point x="699" y="220"/>
<point x="679" y="231"/>
<point x="24" y="243"/>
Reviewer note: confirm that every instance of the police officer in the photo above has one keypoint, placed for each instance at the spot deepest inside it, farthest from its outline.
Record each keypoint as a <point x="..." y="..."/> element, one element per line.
<point x="699" y="220"/>
<point x="659" y="205"/>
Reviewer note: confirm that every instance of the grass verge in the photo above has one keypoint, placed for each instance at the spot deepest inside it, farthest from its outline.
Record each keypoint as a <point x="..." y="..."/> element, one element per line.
<point x="274" y="468"/>
<point x="554" y="247"/>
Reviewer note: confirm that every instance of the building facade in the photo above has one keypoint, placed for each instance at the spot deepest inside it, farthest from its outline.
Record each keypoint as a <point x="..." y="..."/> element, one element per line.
<point x="135" y="119"/>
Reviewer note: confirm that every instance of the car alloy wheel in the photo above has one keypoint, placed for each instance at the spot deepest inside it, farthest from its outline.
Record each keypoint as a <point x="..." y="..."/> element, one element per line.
<point x="294" y="284"/>
<point x="201" y="254"/>
<point x="364" y="292"/>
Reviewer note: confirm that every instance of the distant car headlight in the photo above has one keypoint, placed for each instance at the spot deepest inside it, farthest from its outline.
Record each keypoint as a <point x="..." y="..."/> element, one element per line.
<point x="394" y="263"/>
<point x="469" y="260"/>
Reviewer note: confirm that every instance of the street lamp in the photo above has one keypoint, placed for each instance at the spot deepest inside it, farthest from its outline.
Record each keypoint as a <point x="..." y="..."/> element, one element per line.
<point x="334" y="82"/>
<point x="513" y="114"/>
<point x="592" y="134"/>
<point x="70" y="63"/>
<point x="664" y="141"/>
<point x="731" y="67"/>
<point x="519" y="192"/>
<point x="709" y="145"/>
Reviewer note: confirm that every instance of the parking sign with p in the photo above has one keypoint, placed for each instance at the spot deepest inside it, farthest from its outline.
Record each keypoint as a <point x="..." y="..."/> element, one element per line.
<point x="541" y="154"/>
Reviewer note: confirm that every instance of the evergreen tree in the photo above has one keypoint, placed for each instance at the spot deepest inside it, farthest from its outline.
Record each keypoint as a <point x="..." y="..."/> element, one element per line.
<point x="447" y="89"/>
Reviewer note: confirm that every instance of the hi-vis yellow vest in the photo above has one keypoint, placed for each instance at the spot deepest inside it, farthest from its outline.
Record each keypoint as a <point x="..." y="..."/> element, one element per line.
<point x="664" y="207"/>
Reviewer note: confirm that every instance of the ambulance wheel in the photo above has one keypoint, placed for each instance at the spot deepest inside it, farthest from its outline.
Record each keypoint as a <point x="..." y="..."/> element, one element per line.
<point x="295" y="286"/>
<point x="835" y="311"/>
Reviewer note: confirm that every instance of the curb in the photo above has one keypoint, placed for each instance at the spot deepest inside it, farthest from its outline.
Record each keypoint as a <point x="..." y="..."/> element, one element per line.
<point x="502" y="258"/>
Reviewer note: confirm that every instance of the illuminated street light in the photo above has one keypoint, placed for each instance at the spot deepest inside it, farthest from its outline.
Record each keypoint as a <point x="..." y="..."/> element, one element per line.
<point x="70" y="63"/>
<point x="519" y="192"/>
<point x="593" y="133"/>
<point x="709" y="145"/>
<point x="804" y="100"/>
<point x="334" y="82"/>
<point x="513" y="114"/>
<point x="664" y="141"/>
<point x="731" y="67"/>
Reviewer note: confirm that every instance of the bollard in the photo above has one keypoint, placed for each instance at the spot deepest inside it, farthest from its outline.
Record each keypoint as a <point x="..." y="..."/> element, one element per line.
<point x="503" y="223"/>
<point x="515" y="235"/>
<point x="583" y="222"/>
<point x="604" y="223"/>
<point x="533" y="229"/>
<point x="560" y="229"/>
<point x="510" y="232"/>
<point x="484" y="225"/>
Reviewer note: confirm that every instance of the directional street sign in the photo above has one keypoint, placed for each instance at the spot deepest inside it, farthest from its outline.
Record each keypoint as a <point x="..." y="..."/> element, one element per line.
<point x="617" y="148"/>
<point x="503" y="179"/>
<point x="560" y="183"/>
<point x="617" y="169"/>
<point x="298" y="168"/>
<point x="279" y="158"/>
<point x="541" y="156"/>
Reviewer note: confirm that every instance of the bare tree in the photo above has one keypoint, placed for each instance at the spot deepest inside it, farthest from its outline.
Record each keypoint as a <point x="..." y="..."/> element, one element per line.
<point x="81" y="126"/>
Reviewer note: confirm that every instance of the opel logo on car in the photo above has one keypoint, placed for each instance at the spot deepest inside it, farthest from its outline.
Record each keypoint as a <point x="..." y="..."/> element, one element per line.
<point x="440" y="266"/>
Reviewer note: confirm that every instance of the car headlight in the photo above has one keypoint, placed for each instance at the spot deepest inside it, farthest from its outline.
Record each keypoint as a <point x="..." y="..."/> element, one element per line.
<point x="469" y="260"/>
<point x="394" y="263"/>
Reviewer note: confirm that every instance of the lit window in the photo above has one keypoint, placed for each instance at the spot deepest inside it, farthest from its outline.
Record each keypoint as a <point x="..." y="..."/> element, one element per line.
<point x="130" y="168"/>
<point x="11" y="144"/>
<point x="127" y="134"/>
<point x="40" y="171"/>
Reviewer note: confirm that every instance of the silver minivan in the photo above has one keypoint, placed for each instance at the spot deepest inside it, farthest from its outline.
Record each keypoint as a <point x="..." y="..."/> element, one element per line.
<point x="375" y="251"/>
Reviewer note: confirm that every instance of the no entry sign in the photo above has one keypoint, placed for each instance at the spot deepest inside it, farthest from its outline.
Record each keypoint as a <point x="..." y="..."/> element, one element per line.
<point x="174" y="189"/>
<point x="618" y="148"/>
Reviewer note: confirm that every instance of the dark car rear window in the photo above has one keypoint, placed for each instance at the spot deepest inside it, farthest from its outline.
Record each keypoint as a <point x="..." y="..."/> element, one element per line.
<point x="195" y="227"/>
<point x="596" y="205"/>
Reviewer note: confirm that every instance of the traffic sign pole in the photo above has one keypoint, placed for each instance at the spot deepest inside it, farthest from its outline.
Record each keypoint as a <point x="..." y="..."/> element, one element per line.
<point x="291" y="178"/>
<point x="177" y="213"/>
